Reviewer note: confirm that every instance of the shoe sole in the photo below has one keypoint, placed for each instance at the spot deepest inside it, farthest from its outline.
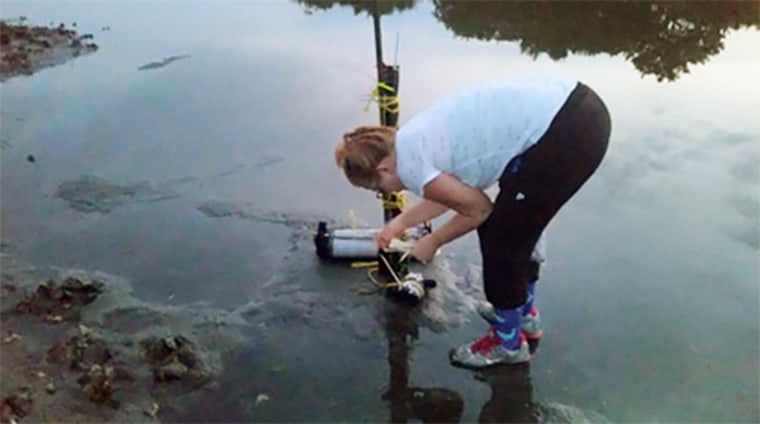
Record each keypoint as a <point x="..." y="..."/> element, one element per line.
<point x="460" y="364"/>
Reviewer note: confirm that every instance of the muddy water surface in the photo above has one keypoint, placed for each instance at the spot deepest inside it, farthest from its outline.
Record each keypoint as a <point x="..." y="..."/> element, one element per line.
<point x="201" y="180"/>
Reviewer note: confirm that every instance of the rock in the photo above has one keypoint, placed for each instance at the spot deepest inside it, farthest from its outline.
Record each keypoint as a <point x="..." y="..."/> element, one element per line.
<point x="174" y="370"/>
<point x="86" y="340"/>
<point x="196" y="379"/>
<point x="86" y="352"/>
<point x="174" y="359"/>
<point x="63" y="302"/>
<point x="99" y="385"/>
<point x="17" y="405"/>
<point x="262" y="397"/>
<point x="11" y="337"/>
<point x="153" y="411"/>
<point x="59" y="352"/>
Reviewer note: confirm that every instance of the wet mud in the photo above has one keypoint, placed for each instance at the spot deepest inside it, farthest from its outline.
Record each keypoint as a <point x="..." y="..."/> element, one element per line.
<point x="174" y="358"/>
<point x="302" y="226"/>
<point x="121" y="359"/>
<point x="448" y="305"/>
<point x="292" y="220"/>
<point x="63" y="362"/>
<point x="60" y="302"/>
<point x="284" y="380"/>
<point x="92" y="194"/>
<point x="25" y="49"/>
<point x="512" y="401"/>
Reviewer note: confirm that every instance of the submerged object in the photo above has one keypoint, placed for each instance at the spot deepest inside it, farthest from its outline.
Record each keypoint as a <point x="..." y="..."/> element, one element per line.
<point x="163" y="62"/>
<point x="357" y="243"/>
<point x="346" y="243"/>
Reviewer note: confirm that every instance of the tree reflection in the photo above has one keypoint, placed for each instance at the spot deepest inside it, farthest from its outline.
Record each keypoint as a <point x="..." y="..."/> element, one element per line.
<point x="384" y="7"/>
<point x="660" y="38"/>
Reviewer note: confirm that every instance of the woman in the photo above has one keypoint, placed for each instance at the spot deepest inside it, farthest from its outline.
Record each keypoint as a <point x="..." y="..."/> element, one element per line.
<point x="539" y="137"/>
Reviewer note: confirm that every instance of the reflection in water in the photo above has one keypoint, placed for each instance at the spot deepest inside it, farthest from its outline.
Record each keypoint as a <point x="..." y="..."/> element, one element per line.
<point x="430" y="404"/>
<point x="694" y="128"/>
<point x="511" y="398"/>
<point x="661" y="38"/>
<point x="382" y="7"/>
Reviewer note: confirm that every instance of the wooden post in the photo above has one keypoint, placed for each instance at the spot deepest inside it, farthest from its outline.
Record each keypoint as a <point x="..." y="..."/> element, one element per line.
<point x="387" y="92"/>
<point x="378" y="40"/>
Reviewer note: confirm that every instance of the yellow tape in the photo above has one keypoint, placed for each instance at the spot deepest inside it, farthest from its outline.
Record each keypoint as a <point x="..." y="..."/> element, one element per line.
<point x="389" y="104"/>
<point x="395" y="200"/>
<point x="385" y="86"/>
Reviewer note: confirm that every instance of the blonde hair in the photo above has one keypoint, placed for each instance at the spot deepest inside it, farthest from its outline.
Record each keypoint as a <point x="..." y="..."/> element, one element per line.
<point x="360" y="151"/>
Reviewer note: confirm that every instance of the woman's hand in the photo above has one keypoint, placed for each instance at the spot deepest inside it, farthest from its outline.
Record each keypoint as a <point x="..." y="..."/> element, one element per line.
<point x="391" y="230"/>
<point x="424" y="249"/>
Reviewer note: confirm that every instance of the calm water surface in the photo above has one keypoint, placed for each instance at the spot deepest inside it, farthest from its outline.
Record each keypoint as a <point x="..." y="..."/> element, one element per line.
<point x="650" y="296"/>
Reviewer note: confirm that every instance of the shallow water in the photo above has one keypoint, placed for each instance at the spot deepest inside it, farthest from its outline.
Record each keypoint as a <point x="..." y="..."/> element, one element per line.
<point x="650" y="296"/>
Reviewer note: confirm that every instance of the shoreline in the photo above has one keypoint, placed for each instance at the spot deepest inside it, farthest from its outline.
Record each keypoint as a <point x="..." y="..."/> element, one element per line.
<point x="27" y="49"/>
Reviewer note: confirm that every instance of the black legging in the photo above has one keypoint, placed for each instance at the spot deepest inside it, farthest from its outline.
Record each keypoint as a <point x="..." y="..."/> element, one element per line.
<point x="533" y="187"/>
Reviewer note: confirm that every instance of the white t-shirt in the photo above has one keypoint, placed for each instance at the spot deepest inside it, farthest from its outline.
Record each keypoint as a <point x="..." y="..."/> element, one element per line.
<point x="474" y="132"/>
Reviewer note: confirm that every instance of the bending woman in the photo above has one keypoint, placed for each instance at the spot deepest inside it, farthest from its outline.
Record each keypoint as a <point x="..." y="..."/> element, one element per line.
<point x="539" y="138"/>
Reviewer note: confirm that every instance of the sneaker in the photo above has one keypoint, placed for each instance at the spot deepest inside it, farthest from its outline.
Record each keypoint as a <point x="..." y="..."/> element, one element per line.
<point x="530" y="324"/>
<point x="487" y="351"/>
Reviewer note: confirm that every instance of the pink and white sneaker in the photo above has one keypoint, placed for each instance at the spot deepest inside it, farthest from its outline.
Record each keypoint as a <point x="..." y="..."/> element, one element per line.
<point x="488" y="351"/>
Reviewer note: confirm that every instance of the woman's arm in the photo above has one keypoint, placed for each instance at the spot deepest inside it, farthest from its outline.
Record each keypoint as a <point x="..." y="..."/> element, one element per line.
<point x="472" y="206"/>
<point x="424" y="210"/>
<point x="442" y="193"/>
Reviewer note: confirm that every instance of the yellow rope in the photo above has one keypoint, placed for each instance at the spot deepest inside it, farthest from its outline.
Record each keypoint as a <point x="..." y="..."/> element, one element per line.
<point x="360" y="264"/>
<point x="374" y="268"/>
<point x="379" y="285"/>
<point x="388" y="104"/>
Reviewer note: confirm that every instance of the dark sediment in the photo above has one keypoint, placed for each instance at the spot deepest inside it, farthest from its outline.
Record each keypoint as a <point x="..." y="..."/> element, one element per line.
<point x="91" y="194"/>
<point x="25" y="49"/>
<point x="63" y="362"/>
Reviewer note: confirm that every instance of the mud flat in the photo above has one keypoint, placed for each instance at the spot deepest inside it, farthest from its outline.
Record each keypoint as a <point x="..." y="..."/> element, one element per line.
<point x="77" y="346"/>
<point x="26" y="49"/>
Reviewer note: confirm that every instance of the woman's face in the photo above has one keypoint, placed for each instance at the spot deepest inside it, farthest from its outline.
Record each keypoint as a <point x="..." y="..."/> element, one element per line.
<point x="388" y="182"/>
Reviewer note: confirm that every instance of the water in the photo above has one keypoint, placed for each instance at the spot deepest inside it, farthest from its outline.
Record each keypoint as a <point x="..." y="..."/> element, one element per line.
<point x="650" y="296"/>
